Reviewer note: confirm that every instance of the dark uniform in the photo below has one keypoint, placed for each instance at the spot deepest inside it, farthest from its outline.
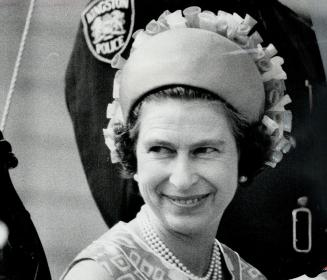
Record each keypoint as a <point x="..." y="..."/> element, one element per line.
<point x="258" y="223"/>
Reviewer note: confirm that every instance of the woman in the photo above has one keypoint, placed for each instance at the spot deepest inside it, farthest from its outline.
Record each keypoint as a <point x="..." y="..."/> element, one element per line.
<point x="202" y="109"/>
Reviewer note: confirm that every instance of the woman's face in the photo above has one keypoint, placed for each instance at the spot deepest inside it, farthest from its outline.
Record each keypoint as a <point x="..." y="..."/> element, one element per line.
<point x="187" y="163"/>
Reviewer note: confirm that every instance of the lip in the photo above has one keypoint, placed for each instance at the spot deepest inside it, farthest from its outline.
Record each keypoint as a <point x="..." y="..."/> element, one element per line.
<point x="187" y="201"/>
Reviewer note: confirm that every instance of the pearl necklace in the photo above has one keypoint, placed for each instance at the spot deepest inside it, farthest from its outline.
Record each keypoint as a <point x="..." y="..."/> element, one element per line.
<point x="157" y="245"/>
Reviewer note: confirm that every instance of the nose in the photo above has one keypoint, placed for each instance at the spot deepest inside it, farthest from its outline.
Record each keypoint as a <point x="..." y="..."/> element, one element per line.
<point x="183" y="174"/>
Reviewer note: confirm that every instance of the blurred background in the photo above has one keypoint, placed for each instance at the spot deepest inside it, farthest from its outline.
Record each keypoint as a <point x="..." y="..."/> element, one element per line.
<point x="49" y="178"/>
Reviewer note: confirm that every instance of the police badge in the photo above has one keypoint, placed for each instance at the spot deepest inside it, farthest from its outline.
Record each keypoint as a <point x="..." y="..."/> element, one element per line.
<point x="108" y="26"/>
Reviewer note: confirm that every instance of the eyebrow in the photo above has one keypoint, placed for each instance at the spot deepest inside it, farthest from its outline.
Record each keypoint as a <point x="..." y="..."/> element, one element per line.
<point x="219" y="144"/>
<point x="201" y="143"/>
<point x="158" y="142"/>
<point x="210" y="142"/>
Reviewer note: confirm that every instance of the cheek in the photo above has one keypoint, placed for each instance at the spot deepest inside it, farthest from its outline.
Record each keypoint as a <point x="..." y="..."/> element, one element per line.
<point x="149" y="176"/>
<point x="223" y="176"/>
<point x="232" y="173"/>
<point x="231" y="181"/>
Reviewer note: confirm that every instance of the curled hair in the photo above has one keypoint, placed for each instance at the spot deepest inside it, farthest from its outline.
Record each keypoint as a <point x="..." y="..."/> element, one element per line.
<point x="251" y="143"/>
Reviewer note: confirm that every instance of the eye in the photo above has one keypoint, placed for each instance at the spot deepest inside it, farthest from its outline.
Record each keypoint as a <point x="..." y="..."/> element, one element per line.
<point x="160" y="150"/>
<point x="206" y="152"/>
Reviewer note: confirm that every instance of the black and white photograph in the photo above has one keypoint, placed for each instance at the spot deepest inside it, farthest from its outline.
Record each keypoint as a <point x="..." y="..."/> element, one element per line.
<point x="163" y="140"/>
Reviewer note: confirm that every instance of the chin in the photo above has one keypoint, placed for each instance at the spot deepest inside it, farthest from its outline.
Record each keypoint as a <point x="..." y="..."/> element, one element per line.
<point x="188" y="225"/>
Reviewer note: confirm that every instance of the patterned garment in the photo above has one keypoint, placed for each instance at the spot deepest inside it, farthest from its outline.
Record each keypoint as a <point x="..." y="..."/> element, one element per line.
<point x="126" y="257"/>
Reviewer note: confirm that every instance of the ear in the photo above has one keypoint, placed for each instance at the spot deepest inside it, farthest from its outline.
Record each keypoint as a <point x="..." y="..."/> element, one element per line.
<point x="135" y="177"/>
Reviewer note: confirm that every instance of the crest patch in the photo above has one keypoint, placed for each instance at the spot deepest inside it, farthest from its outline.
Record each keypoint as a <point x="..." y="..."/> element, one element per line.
<point x="108" y="26"/>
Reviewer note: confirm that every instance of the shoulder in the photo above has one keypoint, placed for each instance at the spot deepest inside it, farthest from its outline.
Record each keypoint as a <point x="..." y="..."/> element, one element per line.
<point x="250" y="272"/>
<point x="107" y="245"/>
<point x="87" y="270"/>
<point x="97" y="261"/>
<point x="239" y="266"/>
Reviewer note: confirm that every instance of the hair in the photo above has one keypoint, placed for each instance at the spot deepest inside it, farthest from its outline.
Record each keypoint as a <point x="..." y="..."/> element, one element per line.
<point x="252" y="144"/>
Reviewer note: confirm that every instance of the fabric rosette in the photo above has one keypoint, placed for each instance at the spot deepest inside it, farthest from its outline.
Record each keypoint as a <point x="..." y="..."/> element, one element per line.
<point x="114" y="113"/>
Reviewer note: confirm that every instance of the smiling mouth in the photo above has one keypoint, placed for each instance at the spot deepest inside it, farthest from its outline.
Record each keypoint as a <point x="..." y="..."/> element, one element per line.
<point x="187" y="201"/>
